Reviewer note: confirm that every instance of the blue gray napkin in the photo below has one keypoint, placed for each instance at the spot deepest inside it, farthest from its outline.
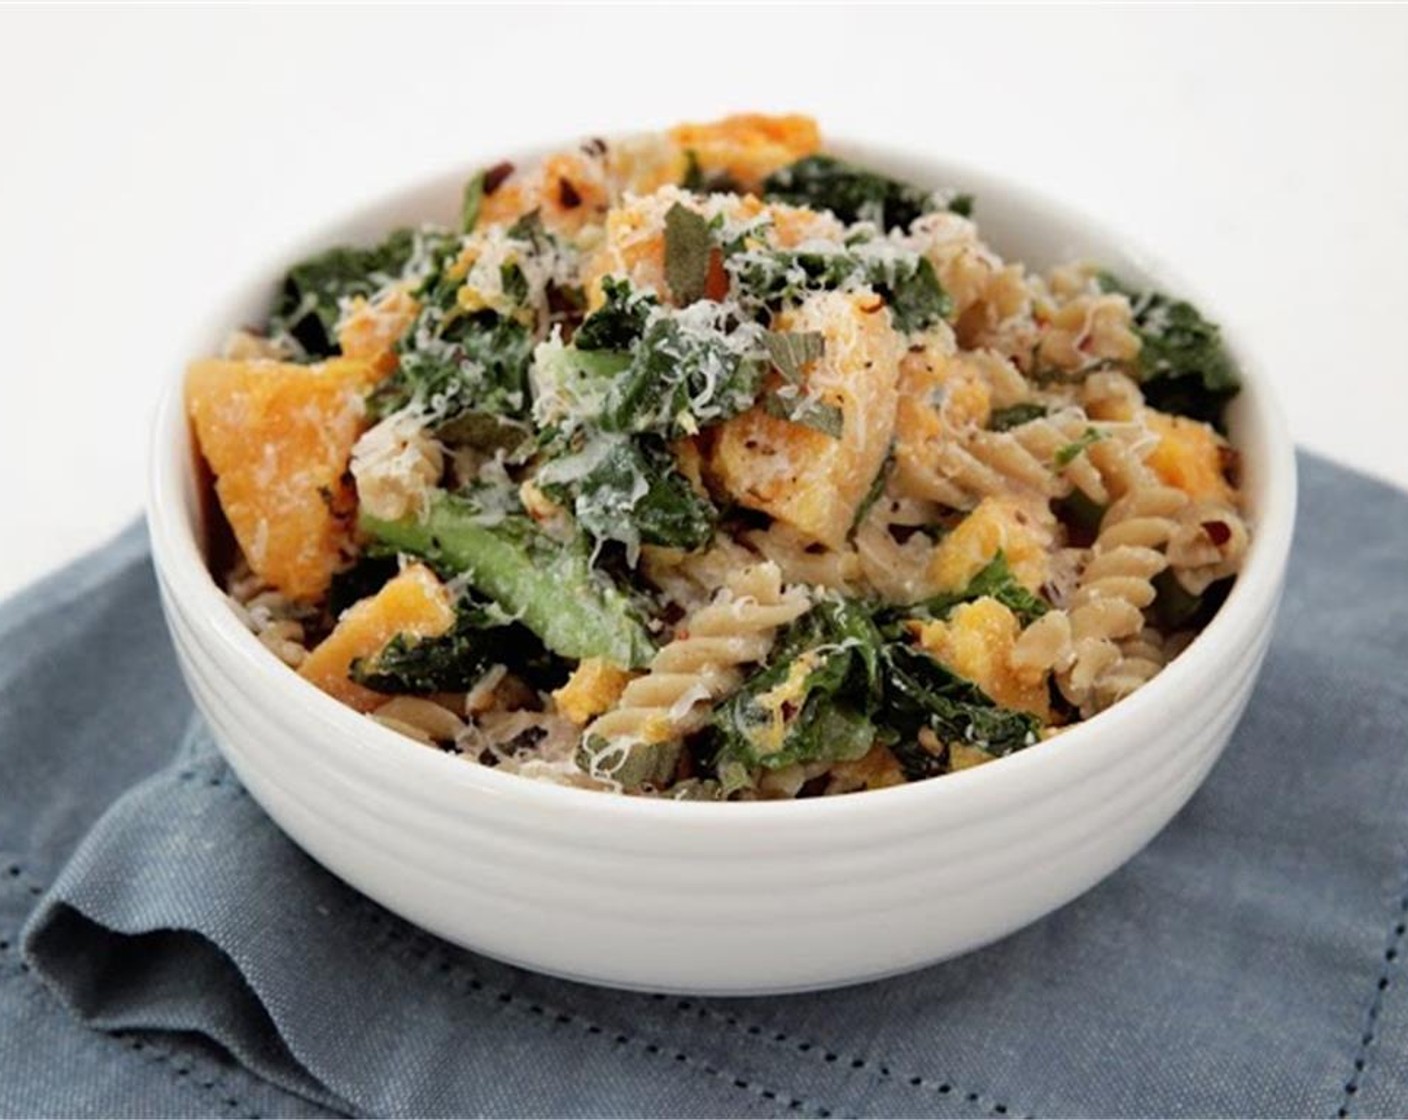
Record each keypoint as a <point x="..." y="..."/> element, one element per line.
<point x="164" y="950"/>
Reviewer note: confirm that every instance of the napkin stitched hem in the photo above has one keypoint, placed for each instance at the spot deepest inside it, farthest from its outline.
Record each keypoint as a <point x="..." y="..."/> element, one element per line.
<point x="1370" y="1042"/>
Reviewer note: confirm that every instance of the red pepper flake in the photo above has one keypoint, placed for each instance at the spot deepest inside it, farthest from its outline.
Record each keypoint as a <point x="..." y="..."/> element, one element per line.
<point x="495" y="176"/>
<point x="1217" y="532"/>
<point x="567" y="194"/>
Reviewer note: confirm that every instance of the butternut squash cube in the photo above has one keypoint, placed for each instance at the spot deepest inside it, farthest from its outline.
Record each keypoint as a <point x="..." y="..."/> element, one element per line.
<point x="748" y="147"/>
<point x="1020" y="531"/>
<point x="278" y="438"/>
<point x="811" y="480"/>
<point x="594" y="687"/>
<point x="1189" y="456"/>
<point x="414" y="602"/>
<point x="976" y="643"/>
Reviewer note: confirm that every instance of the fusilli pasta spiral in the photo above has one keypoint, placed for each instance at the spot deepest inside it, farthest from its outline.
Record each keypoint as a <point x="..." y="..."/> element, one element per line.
<point x="702" y="664"/>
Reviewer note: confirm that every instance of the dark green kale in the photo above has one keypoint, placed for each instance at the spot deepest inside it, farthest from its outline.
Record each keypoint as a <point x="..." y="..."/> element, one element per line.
<point x="628" y="489"/>
<point x="462" y="363"/>
<point x="856" y="195"/>
<point x="877" y="488"/>
<point x="1177" y="608"/>
<point x="1080" y="512"/>
<point x="920" y="692"/>
<point x="309" y="302"/>
<point x="716" y="182"/>
<point x="917" y="300"/>
<point x="514" y="283"/>
<point x="364" y="578"/>
<point x="481" y="638"/>
<point x="995" y="581"/>
<point x="907" y="282"/>
<point x="619" y="322"/>
<point x="451" y="662"/>
<point x="680" y="380"/>
<point x="547" y="585"/>
<point x="961" y="204"/>
<point x="1183" y="367"/>
<point x="1014" y="416"/>
<point x="468" y="371"/>
<point x="1070" y="452"/>
<point x="812" y="703"/>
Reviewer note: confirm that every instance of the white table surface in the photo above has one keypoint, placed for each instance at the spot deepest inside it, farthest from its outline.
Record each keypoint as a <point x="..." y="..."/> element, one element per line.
<point x="150" y="157"/>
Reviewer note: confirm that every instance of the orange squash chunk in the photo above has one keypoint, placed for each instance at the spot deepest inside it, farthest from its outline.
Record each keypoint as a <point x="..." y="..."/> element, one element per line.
<point x="813" y="481"/>
<point x="278" y="437"/>
<point x="415" y="602"/>
<point x="1189" y="456"/>
<point x="748" y="147"/>
<point x="976" y="642"/>
<point x="1007" y="525"/>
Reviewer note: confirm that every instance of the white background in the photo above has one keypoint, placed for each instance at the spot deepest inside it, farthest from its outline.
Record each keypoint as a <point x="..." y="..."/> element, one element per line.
<point x="151" y="158"/>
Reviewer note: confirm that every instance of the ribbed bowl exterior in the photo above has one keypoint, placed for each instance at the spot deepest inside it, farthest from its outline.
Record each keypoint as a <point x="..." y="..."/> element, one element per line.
<point x="724" y="899"/>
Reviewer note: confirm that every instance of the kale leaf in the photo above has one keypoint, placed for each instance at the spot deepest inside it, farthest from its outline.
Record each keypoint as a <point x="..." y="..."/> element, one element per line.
<point x="1183" y="367"/>
<point x="1080" y="512"/>
<point x="1014" y="416"/>
<point x="365" y="577"/>
<point x="812" y="702"/>
<point x="921" y="692"/>
<point x="547" y="585"/>
<point x="309" y="305"/>
<point x="1177" y="608"/>
<point x="854" y="194"/>
<point x="1070" y="452"/>
<point x="907" y="282"/>
<point x="628" y="489"/>
<point x="994" y="581"/>
<point x="680" y="380"/>
<point x="481" y="638"/>
<point x="701" y="182"/>
<point x="462" y="363"/>
<point x="467" y="370"/>
<point x="917" y="300"/>
<point x="619" y="322"/>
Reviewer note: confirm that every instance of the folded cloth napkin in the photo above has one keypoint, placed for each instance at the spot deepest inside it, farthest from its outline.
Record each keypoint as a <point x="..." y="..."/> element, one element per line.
<point x="163" y="948"/>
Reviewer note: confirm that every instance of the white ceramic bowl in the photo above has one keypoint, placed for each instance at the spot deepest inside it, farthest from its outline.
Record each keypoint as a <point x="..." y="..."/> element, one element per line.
<point x="733" y="898"/>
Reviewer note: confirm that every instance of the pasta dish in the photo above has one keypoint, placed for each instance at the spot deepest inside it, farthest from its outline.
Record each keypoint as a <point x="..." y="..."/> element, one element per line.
<point x="709" y="465"/>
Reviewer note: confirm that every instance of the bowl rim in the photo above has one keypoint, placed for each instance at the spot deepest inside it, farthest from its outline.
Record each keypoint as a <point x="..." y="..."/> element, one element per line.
<point x="1025" y="775"/>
